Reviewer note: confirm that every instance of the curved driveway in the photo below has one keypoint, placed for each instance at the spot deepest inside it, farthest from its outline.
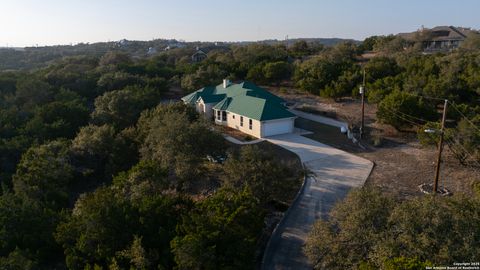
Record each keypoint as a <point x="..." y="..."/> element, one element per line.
<point x="335" y="173"/>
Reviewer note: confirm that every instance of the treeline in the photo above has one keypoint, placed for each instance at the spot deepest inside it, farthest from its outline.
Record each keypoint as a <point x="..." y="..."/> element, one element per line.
<point x="98" y="173"/>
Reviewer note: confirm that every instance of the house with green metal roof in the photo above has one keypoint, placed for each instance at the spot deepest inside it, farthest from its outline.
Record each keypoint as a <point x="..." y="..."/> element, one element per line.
<point x="243" y="106"/>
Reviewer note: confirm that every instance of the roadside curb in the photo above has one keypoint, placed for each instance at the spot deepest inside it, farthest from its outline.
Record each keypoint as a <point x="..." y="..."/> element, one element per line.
<point x="282" y="220"/>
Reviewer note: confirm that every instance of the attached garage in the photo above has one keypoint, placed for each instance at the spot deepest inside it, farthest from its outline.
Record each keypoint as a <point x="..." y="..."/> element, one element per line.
<point x="277" y="127"/>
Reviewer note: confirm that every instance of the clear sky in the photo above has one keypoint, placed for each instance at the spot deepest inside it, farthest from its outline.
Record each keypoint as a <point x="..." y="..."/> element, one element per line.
<point x="49" y="22"/>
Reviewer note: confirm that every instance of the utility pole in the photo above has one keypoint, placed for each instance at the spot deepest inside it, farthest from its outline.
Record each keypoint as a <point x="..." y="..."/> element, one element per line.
<point x="440" y="148"/>
<point x="362" y="92"/>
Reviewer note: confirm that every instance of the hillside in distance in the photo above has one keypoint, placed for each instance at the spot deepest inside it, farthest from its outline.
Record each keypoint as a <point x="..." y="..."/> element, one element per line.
<point x="36" y="57"/>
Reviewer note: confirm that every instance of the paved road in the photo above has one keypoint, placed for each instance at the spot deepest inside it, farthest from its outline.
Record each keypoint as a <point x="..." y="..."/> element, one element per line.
<point x="336" y="172"/>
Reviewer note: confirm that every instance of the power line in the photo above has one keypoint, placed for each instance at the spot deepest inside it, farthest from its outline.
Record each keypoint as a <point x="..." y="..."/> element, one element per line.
<point x="419" y="96"/>
<point x="413" y="117"/>
<point x="423" y="96"/>
<point x="464" y="150"/>
<point x="464" y="116"/>
<point x="404" y="117"/>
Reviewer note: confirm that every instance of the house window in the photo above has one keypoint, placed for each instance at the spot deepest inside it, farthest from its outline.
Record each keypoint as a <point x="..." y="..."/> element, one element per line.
<point x="241" y="121"/>
<point x="219" y="115"/>
<point x="250" y="123"/>
<point x="233" y="116"/>
<point x="224" y="116"/>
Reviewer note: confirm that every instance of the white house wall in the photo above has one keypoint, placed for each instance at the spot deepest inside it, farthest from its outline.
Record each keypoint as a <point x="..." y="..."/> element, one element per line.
<point x="233" y="121"/>
<point x="259" y="129"/>
<point x="205" y="108"/>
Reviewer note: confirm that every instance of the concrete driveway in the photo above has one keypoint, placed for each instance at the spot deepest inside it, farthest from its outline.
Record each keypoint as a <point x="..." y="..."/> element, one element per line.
<point x="336" y="172"/>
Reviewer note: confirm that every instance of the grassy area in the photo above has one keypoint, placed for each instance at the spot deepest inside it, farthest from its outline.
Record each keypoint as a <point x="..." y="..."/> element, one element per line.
<point x="326" y="134"/>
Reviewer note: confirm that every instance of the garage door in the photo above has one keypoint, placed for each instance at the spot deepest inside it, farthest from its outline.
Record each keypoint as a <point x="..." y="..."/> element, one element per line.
<point x="277" y="127"/>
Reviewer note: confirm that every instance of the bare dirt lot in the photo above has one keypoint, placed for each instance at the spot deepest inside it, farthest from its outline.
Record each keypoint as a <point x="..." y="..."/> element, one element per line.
<point x="401" y="163"/>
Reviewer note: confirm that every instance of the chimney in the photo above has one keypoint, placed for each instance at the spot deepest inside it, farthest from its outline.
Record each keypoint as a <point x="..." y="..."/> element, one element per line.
<point x="226" y="83"/>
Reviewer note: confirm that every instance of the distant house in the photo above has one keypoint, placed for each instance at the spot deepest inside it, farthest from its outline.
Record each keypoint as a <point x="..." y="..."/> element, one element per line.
<point x="151" y="51"/>
<point x="245" y="107"/>
<point x="444" y="38"/>
<point x="199" y="56"/>
<point x="174" y="45"/>
<point x="202" y="53"/>
<point x="440" y="38"/>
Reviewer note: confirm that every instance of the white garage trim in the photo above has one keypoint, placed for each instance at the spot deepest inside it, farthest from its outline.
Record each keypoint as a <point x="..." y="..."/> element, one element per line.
<point x="277" y="127"/>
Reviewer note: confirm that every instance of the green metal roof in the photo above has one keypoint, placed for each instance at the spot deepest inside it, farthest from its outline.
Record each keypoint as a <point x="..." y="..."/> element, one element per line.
<point x="190" y="98"/>
<point x="223" y="105"/>
<point x="213" y="98"/>
<point x="258" y="108"/>
<point x="245" y="99"/>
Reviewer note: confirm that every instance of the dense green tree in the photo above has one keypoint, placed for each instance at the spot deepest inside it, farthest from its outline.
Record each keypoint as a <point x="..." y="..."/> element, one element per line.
<point x="257" y="53"/>
<point x="314" y="74"/>
<point x="117" y="80"/>
<point x="369" y="43"/>
<point x="11" y="122"/>
<point x="390" y="44"/>
<point x="275" y="72"/>
<point x="105" y="228"/>
<point x="18" y="260"/>
<point x="26" y="231"/>
<point x="101" y="152"/>
<point x="220" y="233"/>
<point x="322" y="72"/>
<point x="368" y="230"/>
<point x="124" y="152"/>
<point x="300" y="49"/>
<point x="345" y="85"/>
<point x="44" y="173"/>
<point x="472" y="42"/>
<point x="94" y="140"/>
<point x="180" y="144"/>
<point x="352" y="231"/>
<point x="148" y="118"/>
<point x="256" y="74"/>
<point x="261" y="173"/>
<point x="11" y="150"/>
<point x="8" y="82"/>
<point x="58" y="119"/>
<point x="205" y="75"/>
<point x="380" y="67"/>
<point x="434" y="228"/>
<point x="32" y="92"/>
<point x="100" y="225"/>
<point x="144" y="179"/>
<point x="379" y="89"/>
<point x="114" y="60"/>
<point x="401" y="109"/>
<point x="121" y="108"/>
<point x="77" y="74"/>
